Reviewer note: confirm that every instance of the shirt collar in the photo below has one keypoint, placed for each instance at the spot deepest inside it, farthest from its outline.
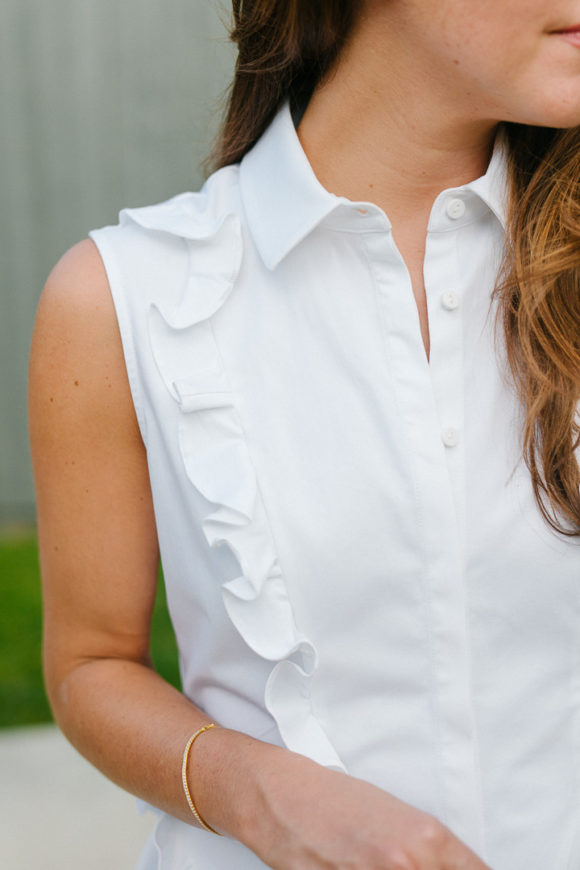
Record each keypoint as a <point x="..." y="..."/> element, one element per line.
<point x="284" y="201"/>
<point x="492" y="187"/>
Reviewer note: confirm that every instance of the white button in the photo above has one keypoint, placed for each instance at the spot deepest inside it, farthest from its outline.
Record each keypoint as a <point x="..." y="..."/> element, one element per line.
<point x="449" y="300"/>
<point x="450" y="436"/>
<point x="455" y="208"/>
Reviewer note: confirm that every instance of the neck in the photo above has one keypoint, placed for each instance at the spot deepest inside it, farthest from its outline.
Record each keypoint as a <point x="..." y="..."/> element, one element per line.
<point x="382" y="129"/>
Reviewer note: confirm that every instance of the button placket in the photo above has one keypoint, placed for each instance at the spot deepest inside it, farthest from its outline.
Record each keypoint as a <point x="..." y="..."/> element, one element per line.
<point x="444" y="290"/>
<point x="445" y="581"/>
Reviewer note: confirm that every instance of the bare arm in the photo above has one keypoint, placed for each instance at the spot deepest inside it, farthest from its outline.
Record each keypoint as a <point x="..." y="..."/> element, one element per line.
<point x="99" y="560"/>
<point x="98" y="544"/>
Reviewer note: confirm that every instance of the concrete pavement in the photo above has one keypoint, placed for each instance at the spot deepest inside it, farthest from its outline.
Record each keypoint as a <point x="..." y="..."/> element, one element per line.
<point x="59" y="813"/>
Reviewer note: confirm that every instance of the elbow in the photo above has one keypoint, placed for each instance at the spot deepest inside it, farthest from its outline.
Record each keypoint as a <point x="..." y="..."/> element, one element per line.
<point x="76" y="684"/>
<point x="56" y="672"/>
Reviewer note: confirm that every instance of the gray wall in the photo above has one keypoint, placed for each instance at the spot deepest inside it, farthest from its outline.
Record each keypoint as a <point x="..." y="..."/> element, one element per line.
<point x="103" y="104"/>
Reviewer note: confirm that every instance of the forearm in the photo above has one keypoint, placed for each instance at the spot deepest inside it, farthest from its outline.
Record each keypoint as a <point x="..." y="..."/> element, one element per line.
<point x="289" y="810"/>
<point x="134" y="726"/>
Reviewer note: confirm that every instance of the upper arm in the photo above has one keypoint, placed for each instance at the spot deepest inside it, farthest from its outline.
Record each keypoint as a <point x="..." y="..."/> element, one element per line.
<point x="97" y="539"/>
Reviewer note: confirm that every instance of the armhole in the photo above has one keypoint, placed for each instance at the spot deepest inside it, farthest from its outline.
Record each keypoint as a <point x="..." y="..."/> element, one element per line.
<point x="118" y="293"/>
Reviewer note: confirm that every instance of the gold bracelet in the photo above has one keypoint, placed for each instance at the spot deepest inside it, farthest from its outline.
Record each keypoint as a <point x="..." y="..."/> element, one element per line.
<point x="190" y="743"/>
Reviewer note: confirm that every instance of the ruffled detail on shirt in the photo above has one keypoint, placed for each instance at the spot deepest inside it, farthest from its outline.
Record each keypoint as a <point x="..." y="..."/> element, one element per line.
<point x="218" y="463"/>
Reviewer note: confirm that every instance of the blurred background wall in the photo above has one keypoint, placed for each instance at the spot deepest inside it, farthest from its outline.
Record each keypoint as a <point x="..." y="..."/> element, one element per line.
<point x="103" y="104"/>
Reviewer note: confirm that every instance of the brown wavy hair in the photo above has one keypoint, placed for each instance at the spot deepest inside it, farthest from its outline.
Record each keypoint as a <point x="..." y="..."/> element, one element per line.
<point x="286" y="48"/>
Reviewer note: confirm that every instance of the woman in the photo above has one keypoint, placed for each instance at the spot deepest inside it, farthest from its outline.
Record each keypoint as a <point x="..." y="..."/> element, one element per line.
<point x="365" y="495"/>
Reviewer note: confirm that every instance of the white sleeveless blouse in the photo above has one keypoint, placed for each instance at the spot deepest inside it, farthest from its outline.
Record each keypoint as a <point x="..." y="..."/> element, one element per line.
<point x="355" y="564"/>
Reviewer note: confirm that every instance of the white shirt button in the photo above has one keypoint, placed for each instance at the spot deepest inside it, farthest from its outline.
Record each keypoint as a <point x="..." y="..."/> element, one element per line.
<point x="450" y="300"/>
<point x="455" y="208"/>
<point x="450" y="436"/>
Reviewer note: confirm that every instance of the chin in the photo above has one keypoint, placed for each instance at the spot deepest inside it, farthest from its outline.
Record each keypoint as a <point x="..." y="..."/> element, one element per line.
<point x="566" y="121"/>
<point x="563" y="115"/>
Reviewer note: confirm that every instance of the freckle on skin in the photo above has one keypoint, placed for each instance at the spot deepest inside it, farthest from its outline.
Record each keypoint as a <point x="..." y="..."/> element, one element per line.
<point x="51" y="399"/>
<point x="76" y="383"/>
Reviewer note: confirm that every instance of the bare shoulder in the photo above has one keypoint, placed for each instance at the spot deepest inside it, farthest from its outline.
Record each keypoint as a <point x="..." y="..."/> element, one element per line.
<point x="76" y="303"/>
<point x="81" y="261"/>
<point x="77" y="357"/>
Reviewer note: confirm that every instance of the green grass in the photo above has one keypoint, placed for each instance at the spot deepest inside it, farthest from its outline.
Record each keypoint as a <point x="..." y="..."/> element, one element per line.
<point x="22" y="697"/>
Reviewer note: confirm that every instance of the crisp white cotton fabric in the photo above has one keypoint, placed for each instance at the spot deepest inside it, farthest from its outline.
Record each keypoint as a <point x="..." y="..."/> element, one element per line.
<point x="355" y="564"/>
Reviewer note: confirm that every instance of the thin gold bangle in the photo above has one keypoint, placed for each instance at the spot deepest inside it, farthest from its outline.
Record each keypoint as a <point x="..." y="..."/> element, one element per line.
<point x="189" y="744"/>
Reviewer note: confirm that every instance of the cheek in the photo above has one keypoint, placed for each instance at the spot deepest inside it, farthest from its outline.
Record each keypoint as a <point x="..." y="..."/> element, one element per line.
<point x="494" y="66"/>
<point x="491" y="53"/>
<point x="490" y="41"/>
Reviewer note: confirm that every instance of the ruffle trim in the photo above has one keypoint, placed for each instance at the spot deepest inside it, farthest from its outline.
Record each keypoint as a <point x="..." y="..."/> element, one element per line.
<point x="217" y="462"/>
